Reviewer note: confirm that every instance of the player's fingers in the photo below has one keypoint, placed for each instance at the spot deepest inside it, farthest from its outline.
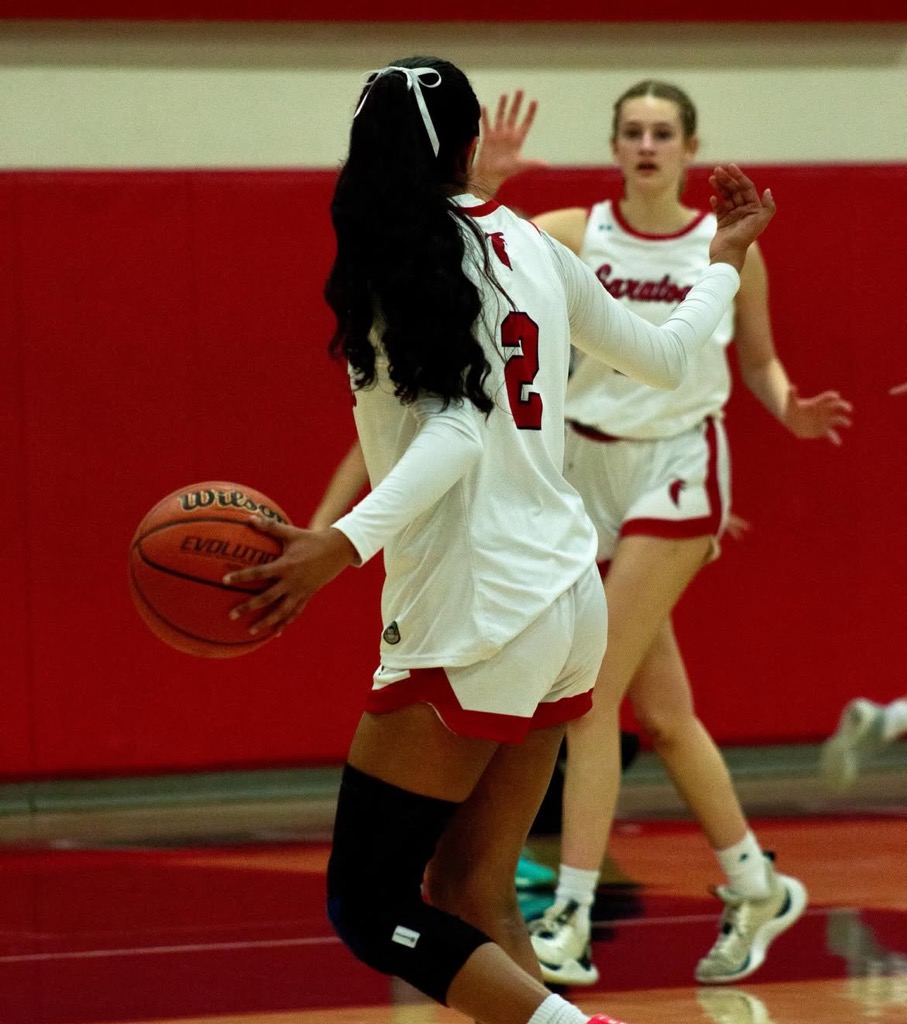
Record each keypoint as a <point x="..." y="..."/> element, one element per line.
<point x="723" y="184"/>
<point x="529" y="118"/>
<point x="272" y="526"/>
<point x="741" y="181"/>
<point x="832" y="403"/>
<point x="738" y="187"/>
<point x="722" y="179"/>
<point x="501" y="110"/>
<point x="279" y="617"/>
<point x="255" y="602"/>
<point x="254" y="573"/>
<point x="514" y="112"/>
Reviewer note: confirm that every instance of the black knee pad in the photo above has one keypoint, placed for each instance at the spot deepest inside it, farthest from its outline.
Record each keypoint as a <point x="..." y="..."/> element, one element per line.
<point x="384" y="837"/>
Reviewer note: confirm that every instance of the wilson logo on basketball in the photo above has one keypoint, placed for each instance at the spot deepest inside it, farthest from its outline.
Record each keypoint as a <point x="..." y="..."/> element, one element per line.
<point x="178" y="557"/>
<point x="217" y="548"/>
<point x="192" y="501"/>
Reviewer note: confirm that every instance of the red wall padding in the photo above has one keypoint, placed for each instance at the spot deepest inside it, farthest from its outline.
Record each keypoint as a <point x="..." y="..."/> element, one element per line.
<point x="166" y="327"/>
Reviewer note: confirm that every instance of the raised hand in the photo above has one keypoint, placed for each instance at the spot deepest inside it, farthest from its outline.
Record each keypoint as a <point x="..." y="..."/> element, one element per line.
<point x="820" y="416"/>
<point x="742" y="214"/>
<point x="501" y="143"/>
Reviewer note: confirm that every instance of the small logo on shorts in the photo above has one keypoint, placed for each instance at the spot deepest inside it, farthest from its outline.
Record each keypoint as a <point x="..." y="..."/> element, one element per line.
<point x="674" y="490"/>
<point x="392" y="634"/>
<point x="405" y="936"/>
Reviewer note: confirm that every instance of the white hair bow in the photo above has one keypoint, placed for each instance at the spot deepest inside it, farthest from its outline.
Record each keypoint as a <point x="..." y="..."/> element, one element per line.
<point x="416" y="79"/>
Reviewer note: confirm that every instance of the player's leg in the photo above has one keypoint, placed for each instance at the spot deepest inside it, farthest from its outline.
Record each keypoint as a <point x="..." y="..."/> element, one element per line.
<point x="759" y="903"/>
<point x="488" y="828"/>
<point x="646" y="577"/>
<point x="439" y="797"/>
<point x="472" y="872"/>
<point x="663" y="703"/>
<point x="863" y="728"/>
<point x="406" y="776"/>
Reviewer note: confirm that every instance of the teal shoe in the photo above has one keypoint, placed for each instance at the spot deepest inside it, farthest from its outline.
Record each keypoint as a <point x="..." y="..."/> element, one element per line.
<point x="530" y="875"/>
<point x="533" y="904"/>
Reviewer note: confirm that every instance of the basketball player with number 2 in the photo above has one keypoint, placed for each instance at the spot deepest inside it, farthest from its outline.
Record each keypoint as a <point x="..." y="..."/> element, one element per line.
<point x="455" y="317"/>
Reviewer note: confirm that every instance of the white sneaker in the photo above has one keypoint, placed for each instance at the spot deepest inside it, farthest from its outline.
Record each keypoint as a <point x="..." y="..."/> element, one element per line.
<point x="747" y="928"/>
<point x="732" y="1006"/>
<point x="560" y="939"/>
<point x="859" y="732"/>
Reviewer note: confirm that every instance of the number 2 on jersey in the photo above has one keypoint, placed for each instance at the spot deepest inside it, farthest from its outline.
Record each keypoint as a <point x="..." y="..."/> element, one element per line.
<point x="520" y="338"/>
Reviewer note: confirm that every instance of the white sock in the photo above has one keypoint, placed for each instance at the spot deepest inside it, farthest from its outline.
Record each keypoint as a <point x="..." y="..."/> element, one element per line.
<point x="555" y="1010"/>
<point x="745" y="868"/>
<point x="577" y="884"/>
<point x="894" y="720"/>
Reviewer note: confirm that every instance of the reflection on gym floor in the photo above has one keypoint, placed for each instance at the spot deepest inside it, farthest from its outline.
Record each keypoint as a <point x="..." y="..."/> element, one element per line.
<point x="103" y="932"/>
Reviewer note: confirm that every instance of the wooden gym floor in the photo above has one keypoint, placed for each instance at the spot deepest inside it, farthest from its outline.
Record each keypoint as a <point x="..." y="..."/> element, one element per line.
<point x="213" y="914"/>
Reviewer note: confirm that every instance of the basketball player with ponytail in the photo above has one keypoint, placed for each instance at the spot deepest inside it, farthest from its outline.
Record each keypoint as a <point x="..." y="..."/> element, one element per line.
<point x="653" y="470"/>
<point x="455" y="317"/>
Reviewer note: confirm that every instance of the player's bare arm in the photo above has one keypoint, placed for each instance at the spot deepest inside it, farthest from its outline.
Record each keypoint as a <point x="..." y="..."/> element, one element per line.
<point x="822" y="415"/>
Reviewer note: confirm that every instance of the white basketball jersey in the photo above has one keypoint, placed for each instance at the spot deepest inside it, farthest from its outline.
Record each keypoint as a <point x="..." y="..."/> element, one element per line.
<point x="480" y="530"/>
<point x="650" y="274"/>
<point x="511" y="535"/>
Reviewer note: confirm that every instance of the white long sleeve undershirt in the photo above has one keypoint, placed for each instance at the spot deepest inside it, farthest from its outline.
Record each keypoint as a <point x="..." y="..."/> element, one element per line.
<point x="446" y="446"/>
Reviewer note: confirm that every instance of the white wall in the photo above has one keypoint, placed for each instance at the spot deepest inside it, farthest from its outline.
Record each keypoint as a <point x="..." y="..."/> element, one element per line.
<point x="128" y="94"/>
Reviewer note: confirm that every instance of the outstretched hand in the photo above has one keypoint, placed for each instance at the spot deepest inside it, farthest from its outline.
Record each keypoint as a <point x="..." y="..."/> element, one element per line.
<point x="501" y="143"/>
<point x="310" y="559"/>
<point x="820" y="416"/>
<point x="737" y="527"/>
<point x="742" y="214"/>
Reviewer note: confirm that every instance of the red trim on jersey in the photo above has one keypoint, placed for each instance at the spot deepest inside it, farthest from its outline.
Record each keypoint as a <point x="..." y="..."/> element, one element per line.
<point x="682" y="529"/>
<point x="618" y="216"/>
<point x="431" y="686"/>
<point x="482" y="210"/>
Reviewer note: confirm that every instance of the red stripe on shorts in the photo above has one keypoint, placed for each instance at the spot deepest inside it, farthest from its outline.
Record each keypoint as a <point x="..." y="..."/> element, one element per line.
<point x="431" y="686"/>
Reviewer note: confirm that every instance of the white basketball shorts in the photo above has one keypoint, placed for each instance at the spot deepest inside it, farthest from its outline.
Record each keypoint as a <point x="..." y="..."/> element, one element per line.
<point x="675" y="487"/>
<point x="544" y="676"/>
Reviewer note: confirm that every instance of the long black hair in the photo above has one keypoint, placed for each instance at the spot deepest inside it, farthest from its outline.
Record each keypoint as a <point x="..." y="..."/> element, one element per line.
<point x="400" y="241"/>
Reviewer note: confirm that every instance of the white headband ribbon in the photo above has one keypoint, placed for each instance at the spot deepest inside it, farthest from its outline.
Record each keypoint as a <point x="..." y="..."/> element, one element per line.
<point x="415" y="81"/>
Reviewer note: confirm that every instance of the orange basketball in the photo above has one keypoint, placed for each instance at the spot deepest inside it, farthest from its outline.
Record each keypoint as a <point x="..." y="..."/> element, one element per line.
<point x="179" y="555"/>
